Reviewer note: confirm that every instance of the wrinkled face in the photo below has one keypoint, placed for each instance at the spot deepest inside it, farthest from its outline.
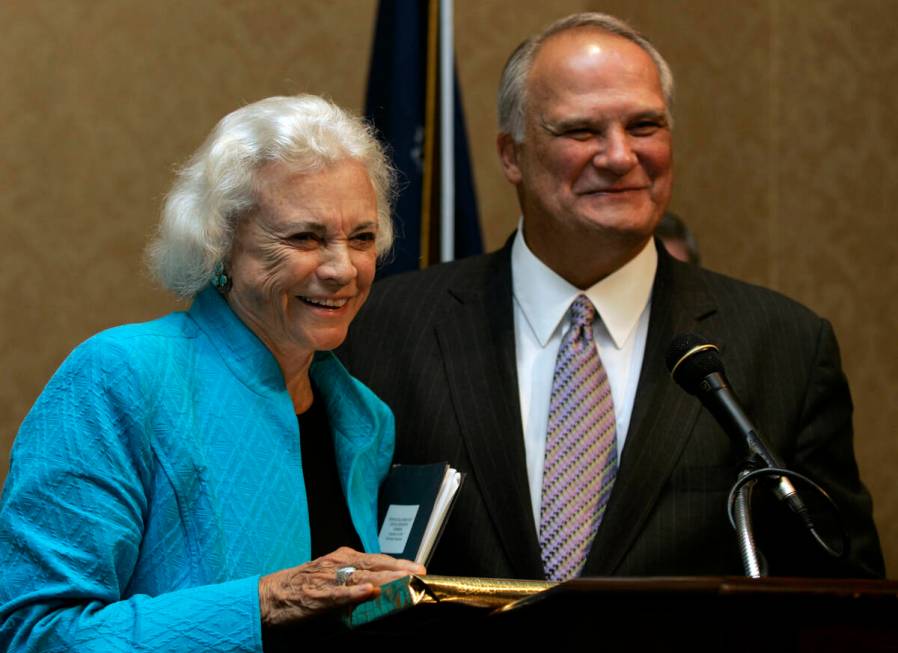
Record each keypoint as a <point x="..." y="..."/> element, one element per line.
<point x="303" y="262"/>
<point x="596" y="154"/>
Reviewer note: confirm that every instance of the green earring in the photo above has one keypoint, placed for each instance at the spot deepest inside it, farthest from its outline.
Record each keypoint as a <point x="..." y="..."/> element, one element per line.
<point x="220" y="278"/>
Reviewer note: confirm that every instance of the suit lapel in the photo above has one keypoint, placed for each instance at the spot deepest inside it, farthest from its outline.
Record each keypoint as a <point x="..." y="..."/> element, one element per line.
<point x="476" y="337"/>
<point x="662" y="420"/>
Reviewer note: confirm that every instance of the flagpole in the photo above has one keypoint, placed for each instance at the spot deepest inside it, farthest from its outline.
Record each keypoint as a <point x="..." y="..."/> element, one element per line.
<point x="447" y="135"/>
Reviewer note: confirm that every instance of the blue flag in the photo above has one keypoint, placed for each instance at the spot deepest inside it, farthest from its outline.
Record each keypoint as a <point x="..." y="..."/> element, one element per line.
<point x="402" y="104"/>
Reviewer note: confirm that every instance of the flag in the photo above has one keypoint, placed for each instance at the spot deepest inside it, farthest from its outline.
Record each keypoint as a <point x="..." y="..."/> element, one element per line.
<point x="402" y="103"/>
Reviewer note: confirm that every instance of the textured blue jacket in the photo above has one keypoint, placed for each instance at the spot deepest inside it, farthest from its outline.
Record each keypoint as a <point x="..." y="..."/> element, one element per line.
<point x="158" y="476"/>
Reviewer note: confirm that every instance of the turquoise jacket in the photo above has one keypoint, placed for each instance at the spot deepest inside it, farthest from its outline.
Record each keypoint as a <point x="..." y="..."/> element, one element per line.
<point x="158" y="476"/>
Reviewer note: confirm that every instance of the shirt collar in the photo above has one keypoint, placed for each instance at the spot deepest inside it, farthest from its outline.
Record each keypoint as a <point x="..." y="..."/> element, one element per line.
<point x="544" y="297"/>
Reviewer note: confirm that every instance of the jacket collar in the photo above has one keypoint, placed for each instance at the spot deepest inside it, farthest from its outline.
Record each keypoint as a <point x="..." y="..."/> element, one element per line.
<point x="361" y="423"/>
<point x="245" y="355"/>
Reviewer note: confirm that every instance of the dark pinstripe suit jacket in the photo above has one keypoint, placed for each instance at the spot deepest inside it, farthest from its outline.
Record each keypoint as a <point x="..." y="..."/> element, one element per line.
<point x="438" y="347"/>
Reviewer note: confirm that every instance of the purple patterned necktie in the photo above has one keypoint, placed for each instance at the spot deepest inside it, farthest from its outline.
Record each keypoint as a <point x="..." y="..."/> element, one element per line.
<point x="581" y="449"/>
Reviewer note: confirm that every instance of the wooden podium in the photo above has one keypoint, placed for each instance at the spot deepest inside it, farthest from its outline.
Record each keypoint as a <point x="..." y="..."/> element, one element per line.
<point x="662" y="614"/>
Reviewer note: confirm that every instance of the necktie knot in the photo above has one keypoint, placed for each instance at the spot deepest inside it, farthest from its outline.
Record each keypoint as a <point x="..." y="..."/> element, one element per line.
<point x="583" y="313"/>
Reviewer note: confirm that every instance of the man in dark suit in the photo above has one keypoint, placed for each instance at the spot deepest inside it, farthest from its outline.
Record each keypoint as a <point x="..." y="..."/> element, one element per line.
<point x="473" y="356"/>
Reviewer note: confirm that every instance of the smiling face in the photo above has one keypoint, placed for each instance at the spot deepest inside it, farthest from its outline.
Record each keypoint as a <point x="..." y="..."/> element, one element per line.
<point x="303" y="262"/>
<point x="594" y="169"/>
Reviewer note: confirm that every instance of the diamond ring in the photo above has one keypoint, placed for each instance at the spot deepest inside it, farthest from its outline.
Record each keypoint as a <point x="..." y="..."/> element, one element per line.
<point x="344" y="574"/>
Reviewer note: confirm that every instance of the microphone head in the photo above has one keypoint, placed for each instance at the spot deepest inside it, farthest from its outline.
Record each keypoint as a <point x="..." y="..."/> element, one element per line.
<point x="690" y="358"/>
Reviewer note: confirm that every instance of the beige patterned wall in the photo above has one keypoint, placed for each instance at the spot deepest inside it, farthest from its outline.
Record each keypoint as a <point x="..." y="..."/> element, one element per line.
<point x="786" y="166"/>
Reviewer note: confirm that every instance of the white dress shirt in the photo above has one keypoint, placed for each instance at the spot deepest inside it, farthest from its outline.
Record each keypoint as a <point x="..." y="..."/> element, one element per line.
<point x="542" y="301"/>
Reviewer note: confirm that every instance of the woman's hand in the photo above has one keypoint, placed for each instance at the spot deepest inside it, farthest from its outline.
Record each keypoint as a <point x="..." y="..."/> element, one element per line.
<point x="311" y="589"/>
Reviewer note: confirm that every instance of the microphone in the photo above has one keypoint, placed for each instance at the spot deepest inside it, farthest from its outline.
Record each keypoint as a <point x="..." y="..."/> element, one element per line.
<point x="695" y="365"/>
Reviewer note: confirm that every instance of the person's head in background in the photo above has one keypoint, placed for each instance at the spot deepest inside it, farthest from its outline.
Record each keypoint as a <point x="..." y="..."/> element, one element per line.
<point x="677" y="238"/>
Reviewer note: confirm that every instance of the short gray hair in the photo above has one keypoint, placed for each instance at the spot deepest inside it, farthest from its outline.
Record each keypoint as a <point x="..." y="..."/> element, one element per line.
<point x="512" y="96"/>
<point x="217" y="184"/>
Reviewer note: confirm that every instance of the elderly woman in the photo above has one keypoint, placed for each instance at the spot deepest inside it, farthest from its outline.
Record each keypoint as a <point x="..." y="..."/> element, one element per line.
<point x="173" y="474"/>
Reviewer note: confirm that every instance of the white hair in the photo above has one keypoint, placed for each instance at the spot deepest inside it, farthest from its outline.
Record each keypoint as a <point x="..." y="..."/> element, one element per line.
<point x="217" y="184"/>
<point x="512" y="96"/>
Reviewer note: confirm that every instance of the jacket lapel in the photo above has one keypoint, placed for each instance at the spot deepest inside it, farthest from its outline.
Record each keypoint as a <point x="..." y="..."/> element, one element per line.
<point x="662" y="420"/>
<point x="476" y="337"/>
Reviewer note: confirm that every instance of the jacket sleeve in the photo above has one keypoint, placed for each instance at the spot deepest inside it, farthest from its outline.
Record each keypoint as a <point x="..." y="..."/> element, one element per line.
<point x="825" y="452"/>
<point x="72" y="521"/>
